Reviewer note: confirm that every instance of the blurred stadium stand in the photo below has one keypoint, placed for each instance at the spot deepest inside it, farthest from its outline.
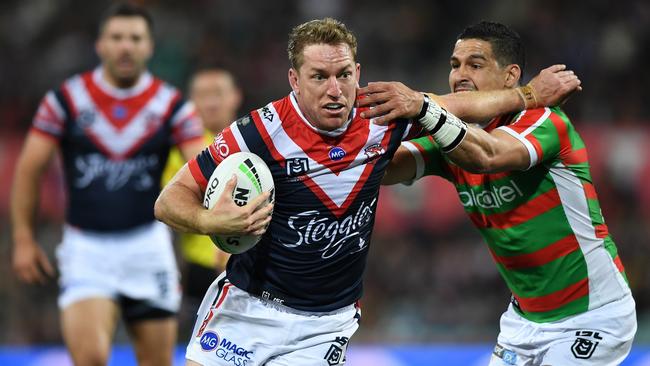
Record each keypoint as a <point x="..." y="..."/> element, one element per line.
<point x="430" y="278"/>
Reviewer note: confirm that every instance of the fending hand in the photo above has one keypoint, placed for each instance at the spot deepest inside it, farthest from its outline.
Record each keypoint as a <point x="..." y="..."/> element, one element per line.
<point x="389" y="100"/>
<point x="553" y="86"/>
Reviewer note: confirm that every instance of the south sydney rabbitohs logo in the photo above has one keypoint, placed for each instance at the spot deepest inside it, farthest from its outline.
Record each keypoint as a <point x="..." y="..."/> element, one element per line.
<point x="585" y="344"/>
<point x="312" y="228"/>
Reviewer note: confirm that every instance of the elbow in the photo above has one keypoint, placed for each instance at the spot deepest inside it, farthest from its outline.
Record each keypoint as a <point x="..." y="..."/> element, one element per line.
<point x="158" y="209"/>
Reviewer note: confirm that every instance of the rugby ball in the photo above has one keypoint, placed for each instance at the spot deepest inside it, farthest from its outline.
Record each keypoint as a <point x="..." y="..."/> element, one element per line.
<point x="253" y="178"/>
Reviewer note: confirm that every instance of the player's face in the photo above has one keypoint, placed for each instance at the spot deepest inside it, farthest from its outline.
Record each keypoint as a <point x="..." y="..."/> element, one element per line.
<point x="474" y="67"/>
<point x="325" y="84"/>
<point x="216" y="98"/>
<point x="124" y="46"/>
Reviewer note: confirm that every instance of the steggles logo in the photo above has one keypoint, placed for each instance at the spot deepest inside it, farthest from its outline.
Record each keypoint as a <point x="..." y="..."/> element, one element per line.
<point x="313" y="229"/>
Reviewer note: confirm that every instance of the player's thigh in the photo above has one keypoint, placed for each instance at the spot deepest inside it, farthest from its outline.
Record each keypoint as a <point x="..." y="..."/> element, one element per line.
<point x="324" y="354"/>
<point x="88" y="326"/>
<point x="154" y="340"/>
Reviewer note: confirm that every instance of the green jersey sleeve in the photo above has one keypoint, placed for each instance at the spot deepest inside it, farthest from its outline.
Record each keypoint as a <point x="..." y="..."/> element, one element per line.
<point x="428" y="157"/>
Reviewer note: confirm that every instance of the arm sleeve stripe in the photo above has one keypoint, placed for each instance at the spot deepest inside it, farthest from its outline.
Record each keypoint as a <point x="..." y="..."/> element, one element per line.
<point x="531" y="149"/>
<point x="419" y="160"/>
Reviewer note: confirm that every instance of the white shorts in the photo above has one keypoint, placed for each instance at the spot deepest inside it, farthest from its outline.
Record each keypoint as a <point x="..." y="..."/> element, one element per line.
<point x="137" y="264"/>
<point x="601" y="337"/>
<point x="234" y="328"/>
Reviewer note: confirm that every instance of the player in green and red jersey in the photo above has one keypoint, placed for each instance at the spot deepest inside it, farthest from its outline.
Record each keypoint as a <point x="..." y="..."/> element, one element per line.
<point x="524" y="181"/>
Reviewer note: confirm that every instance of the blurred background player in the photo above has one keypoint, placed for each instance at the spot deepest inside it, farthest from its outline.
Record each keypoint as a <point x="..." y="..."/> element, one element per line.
<point x="114" y="127"/>
<point x="524" y="180"/>
<point x="217" y="98"/>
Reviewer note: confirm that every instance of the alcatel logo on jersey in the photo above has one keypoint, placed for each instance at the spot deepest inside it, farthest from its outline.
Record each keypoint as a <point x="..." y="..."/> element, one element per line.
<point x="493" y="198"/>
<point x="233" y="354"/>
<point x="336" y="153"/>
<point x="209" y="341"/>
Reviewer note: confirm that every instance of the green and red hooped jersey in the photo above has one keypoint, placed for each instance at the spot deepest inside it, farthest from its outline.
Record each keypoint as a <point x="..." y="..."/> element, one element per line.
<point x="543" y="226"/>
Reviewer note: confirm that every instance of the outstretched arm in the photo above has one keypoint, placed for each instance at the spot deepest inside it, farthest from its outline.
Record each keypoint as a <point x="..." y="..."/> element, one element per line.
<point x="393" y="100"/>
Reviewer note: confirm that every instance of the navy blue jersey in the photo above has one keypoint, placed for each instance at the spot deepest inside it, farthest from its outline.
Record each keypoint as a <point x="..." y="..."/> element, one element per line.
<point x="114" y="144"/>
<point x="313" y="255"/>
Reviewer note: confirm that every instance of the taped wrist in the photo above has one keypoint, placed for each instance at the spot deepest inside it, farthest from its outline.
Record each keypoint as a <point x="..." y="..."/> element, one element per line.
<point x="445" y="128"/>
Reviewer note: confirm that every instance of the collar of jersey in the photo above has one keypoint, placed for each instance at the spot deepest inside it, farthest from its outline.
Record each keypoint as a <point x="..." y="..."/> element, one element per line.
<point x="334" y="133"/>
<point x="144" y="81"/>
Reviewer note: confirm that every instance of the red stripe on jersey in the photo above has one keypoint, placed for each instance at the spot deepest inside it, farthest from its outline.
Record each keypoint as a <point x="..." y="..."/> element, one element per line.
<point x="44" y="134"/>
<point x="51" y="114"/>
<point x="563" y="136"/>
<point x="529" y="210"/>
<point x="527" y="120"/>
<point x="224" y="292"/>
<point x="197" y="174"/>
<point x="107" y="103"/>
<point x="336" y="210"/>
<point x="576" y="157"/>
<point x="556" y="299"/>
<point x="463" y="176"/>
<point x="318" y="146"/>
<point x="601" y="231"/>
<point x="541" y="257"/>
<point x="206" y="320"/>
<point x="619" y="264"/>
<point x="590" y="191"/>
<point x="224" y="145"/>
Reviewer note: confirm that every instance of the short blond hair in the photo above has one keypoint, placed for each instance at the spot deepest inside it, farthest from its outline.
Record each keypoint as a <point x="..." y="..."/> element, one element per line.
<point x="319" y="31"/>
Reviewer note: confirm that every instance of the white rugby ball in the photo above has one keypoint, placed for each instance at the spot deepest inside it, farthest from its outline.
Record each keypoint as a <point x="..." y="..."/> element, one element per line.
<point x="253" y="178"/>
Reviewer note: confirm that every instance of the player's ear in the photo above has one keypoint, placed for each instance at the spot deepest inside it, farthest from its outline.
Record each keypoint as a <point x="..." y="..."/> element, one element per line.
<point x="512" y="76"/>
<point x="293" y="80"/>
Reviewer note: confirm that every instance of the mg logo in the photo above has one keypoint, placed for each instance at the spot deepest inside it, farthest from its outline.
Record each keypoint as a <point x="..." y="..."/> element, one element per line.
<point x="209" y="341"/>
<point x="337" y="153"/>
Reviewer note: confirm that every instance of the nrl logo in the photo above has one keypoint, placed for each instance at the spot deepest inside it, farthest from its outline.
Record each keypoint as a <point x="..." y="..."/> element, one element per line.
<point x="297" y="166"/>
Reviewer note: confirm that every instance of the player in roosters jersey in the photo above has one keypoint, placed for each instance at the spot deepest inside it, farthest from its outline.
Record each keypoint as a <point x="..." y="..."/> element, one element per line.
<point x="525" y="183"/>
<point x="114" y="127"/>
<point x="292" y="299"/>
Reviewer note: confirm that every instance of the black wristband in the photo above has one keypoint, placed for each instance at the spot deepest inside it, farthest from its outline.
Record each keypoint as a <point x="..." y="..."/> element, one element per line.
<point x="425" y="106"/>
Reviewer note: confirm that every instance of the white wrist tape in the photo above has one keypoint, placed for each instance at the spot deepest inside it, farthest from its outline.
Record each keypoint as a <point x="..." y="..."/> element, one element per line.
<point x="447" y="130"/>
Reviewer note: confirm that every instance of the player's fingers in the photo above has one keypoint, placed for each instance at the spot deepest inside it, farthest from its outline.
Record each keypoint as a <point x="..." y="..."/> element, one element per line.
<point x="229" y="188"/>
<point x="374" y="99"/>
<point x="377" y="111"/>
<point x="46" y="265"/>
<point x="373" y="87"/>
<point x="23" y="274"/>
<point x="555" y="68"/>
<point x="263" y="226"/>
<point x="32" y="275"/>
<point x="258" y="202"/>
